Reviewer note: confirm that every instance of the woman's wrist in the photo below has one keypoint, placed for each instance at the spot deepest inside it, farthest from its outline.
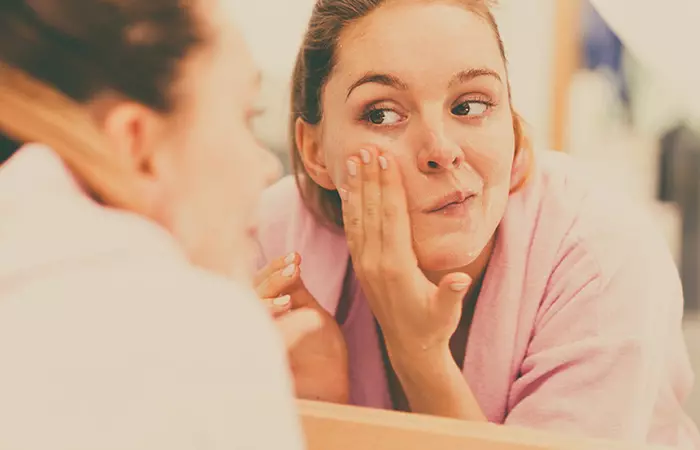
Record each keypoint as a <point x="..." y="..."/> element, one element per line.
<point x="434" y="384"/>
<point x="417" y="364"/>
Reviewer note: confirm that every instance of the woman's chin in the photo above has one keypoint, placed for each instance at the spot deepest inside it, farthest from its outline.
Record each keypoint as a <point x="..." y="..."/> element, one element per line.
<point x="445" y="254"/>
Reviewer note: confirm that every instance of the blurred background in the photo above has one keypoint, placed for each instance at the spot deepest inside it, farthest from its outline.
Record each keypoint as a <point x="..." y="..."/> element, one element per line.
<point x="615" y="99"/>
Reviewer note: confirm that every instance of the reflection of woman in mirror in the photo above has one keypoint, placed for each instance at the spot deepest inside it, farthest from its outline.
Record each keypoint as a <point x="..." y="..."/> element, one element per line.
<point x="119" y="325"/>
<point x="468" y="277"/>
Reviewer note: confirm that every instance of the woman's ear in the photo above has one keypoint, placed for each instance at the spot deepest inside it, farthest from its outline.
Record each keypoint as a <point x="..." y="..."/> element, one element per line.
<point x="132" y="129"/>
<point x="523" y="158"/>
<point x="520" y="170"/>
<point x="129" y="130"/>
<point x="308" y="139"/>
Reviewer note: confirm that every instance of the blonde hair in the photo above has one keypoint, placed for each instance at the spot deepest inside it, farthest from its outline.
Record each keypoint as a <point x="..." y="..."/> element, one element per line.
<point x="58" y="56"/>
<point x="31" y="111"/>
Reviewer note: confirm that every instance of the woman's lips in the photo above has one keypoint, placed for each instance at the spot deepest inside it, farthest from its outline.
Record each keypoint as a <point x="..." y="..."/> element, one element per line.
<point x="457" y="208"/>
<point x="455" y="202"/>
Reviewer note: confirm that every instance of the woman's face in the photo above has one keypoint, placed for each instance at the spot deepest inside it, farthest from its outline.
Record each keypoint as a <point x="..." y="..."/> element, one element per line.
<point x="212" y="169"/>
<point x="427" y="83"/>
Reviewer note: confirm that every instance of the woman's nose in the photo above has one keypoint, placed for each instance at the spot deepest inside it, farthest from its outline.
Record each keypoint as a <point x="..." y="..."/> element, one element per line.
<point x="440" y="155"/>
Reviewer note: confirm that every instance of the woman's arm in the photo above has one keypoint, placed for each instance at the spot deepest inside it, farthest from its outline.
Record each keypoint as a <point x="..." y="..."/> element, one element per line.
<point x="434" y="385"/>
<point x="417" y="317"/>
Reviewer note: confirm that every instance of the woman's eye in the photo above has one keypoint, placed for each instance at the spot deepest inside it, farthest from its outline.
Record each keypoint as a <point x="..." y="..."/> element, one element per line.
<point x="383" y="117"/>
<point x="470" y="108"/>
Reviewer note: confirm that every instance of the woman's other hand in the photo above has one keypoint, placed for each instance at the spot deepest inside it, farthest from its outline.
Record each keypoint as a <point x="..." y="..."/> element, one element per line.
<point x="318" y="360"/>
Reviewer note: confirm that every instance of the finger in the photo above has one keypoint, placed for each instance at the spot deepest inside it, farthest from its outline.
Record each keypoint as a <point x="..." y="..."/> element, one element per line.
<point x="296" y="325"/>
<point x="279" y="283"/>
<point x="301" y="297"/>
<point x="276" y="265"/>
<point x="396" y="224"/>
<point x="279" y="305"/>
<point x="371" y="206"/>
<point x="450" y="293"/>
<point x="351" y="194"/>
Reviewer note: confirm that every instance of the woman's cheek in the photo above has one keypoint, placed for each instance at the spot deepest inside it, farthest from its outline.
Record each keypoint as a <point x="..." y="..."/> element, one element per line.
<point x="339" y="151"/>
<point x="338" y="174"/>
<point x="489" y="152"/>
<point x="336" y="152"/>
<point x="336" y="165"/>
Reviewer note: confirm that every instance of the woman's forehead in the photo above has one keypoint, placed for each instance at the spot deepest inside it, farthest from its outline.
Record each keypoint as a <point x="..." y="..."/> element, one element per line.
<point x="417" y="40"/>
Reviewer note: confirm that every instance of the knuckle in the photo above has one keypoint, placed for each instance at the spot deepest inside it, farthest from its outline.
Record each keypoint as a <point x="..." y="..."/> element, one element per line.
<point x="370" y="267"/>
<point x="283" y="282"/>
<point x="389" y="270"/>
<point x="274" y="286"/>
<point x="260" y="276"/>
<point x="390" y="211"/>
<point x="354" y="222"/>
<point x="262" y="289"/>
<point x="372" y="209"/>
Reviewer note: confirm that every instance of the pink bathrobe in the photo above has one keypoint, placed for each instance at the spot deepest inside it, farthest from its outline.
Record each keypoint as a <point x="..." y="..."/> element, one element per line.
<point x="578" y="325"/>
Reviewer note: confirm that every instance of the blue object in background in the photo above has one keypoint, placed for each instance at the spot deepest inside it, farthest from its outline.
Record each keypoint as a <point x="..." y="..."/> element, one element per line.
<point x="602" y="49"/>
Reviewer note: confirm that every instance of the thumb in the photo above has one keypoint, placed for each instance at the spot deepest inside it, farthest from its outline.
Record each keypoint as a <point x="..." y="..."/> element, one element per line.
<point x="451" y="290"/>
<point x="301" y="297"/>
<point x="296" y="325"/>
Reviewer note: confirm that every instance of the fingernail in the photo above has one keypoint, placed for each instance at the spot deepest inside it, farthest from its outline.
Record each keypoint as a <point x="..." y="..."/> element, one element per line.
<point x="343" y="194"/>
<point x="383" y="163"/>
<point x="365" y="156"/>
<point x="282" y="301"/>
<point x="289" y="270"/>
<point x="352" y="168"/>
<point x="459" y="287"/>
<point x="290" y="258"/>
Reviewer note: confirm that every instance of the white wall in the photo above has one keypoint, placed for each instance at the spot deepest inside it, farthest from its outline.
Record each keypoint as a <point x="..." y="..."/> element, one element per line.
<point x="527" y="28"/>
<point x="274" y="30"/>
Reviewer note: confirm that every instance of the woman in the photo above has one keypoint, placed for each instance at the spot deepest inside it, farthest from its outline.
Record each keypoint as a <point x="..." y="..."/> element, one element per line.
<point x="110" y="336"/>
<point x="468" y="276"/>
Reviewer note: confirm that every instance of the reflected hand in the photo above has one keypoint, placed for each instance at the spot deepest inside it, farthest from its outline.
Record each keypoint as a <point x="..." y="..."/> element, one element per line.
<point x="318" y="360"/>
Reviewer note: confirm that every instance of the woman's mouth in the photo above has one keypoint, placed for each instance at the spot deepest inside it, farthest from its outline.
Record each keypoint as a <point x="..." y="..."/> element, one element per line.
<point x="454" y="203"/>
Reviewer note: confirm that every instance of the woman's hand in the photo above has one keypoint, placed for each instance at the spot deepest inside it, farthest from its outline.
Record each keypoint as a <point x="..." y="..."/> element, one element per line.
<point x="318" y="361"/>
<point x="416" y="316"/>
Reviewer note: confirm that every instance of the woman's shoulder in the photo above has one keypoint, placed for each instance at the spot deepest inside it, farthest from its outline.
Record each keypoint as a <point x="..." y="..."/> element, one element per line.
<point x="285" y="224"/>
<point x="563" y="189"/>
<point x="558" y="179"/>
<point x="565" y="207"/>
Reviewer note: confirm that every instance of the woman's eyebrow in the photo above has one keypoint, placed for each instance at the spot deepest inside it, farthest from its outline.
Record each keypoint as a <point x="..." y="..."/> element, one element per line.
<point x="468" y="75"/>
<point x="396" y="83"/>
<point x="379" y="78"/>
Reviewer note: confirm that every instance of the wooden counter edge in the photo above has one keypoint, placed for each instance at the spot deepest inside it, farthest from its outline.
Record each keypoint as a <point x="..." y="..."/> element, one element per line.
<point x="337" y="427"/>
